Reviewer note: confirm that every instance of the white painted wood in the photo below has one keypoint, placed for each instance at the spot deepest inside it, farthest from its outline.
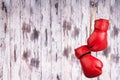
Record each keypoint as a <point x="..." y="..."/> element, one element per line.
<point x="25" y="35"/>
<point x="76" y="20"/>
<point x="15" y="41"/>
<point x="46" y="40"/>
<point x="56" y="36"/>
<point x="38" y="38"/>
<point x="114" y="40"/>
<point x="35" y="62"/>
<point x="6" y="41"/>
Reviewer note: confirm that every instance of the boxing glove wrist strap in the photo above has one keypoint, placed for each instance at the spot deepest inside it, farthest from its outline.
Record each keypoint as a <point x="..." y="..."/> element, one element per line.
<point x="84" y="54"/>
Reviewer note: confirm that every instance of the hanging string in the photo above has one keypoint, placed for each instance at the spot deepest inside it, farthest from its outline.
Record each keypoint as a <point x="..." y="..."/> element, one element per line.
<point x="90" y="18"/>
<point x="94" y="4"/>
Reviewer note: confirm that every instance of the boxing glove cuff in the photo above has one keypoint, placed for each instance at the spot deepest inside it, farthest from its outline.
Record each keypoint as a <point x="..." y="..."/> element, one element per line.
<point x="101" y="24"/>
<point x="81" y="51"/>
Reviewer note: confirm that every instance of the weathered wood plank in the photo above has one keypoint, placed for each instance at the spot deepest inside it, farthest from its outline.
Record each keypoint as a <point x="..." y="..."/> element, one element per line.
<point x="25" y="35"/>
<point x="76" y="21"/>
<point x="114" y="56"/>
<point x="14" y="36"/>
<point x="5" y="75"/>
<point x="56" y="36"/>
<point x="46" y="40"/>
<point x="36" y="61"/>
<point x="66" y="27"/>
<point x="2" y="39"/>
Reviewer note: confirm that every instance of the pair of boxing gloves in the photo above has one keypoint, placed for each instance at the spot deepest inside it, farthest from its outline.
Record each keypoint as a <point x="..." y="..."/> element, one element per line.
<point x="92" y="67"/>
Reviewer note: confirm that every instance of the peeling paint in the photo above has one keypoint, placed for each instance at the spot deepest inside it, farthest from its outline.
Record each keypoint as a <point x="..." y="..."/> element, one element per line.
<point x="4" y="7"/>
<point x="73" y="57"/>
<point x="75" y="33"/>
<point x="66" y="26"/>
<point x="15" y="47"/>
<point x="56" y="6"/>
<point x="41" y="17"/>
<point x="107" y="51"/>
<point x="26" y="27"/>
<point x="35" y="35"/>
<point x="117" y="3"/>
<point x="37" y="3"/>
<point x="56" y="57"/>
<point x="5" y="27"/>
<point x="34" y="62"/>
<point x="67" y="51"/>
<point x="115" y="58"/>
<point x="58" y="78"/>
<point x="115" y="31"/>
<point x="82" y="15"/>
<point x="1" y="72"/>
<point x="111" y="9"/>
<point x="31" y="10"/>
<point x="46" y="37"/>
<point x="26" y="55"/>
<point x="1" y="45"/>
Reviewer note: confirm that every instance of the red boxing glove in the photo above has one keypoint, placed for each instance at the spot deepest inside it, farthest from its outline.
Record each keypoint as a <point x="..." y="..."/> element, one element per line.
<point x="92" y="67"/>
<point x="98" y="39"/>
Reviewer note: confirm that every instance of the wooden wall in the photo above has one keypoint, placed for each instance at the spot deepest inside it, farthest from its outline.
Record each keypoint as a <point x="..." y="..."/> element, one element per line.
<point x="38" y="38"/>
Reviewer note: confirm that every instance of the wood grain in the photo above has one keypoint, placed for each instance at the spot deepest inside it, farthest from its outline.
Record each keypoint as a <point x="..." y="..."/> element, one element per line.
<point x="38" y="38"/>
